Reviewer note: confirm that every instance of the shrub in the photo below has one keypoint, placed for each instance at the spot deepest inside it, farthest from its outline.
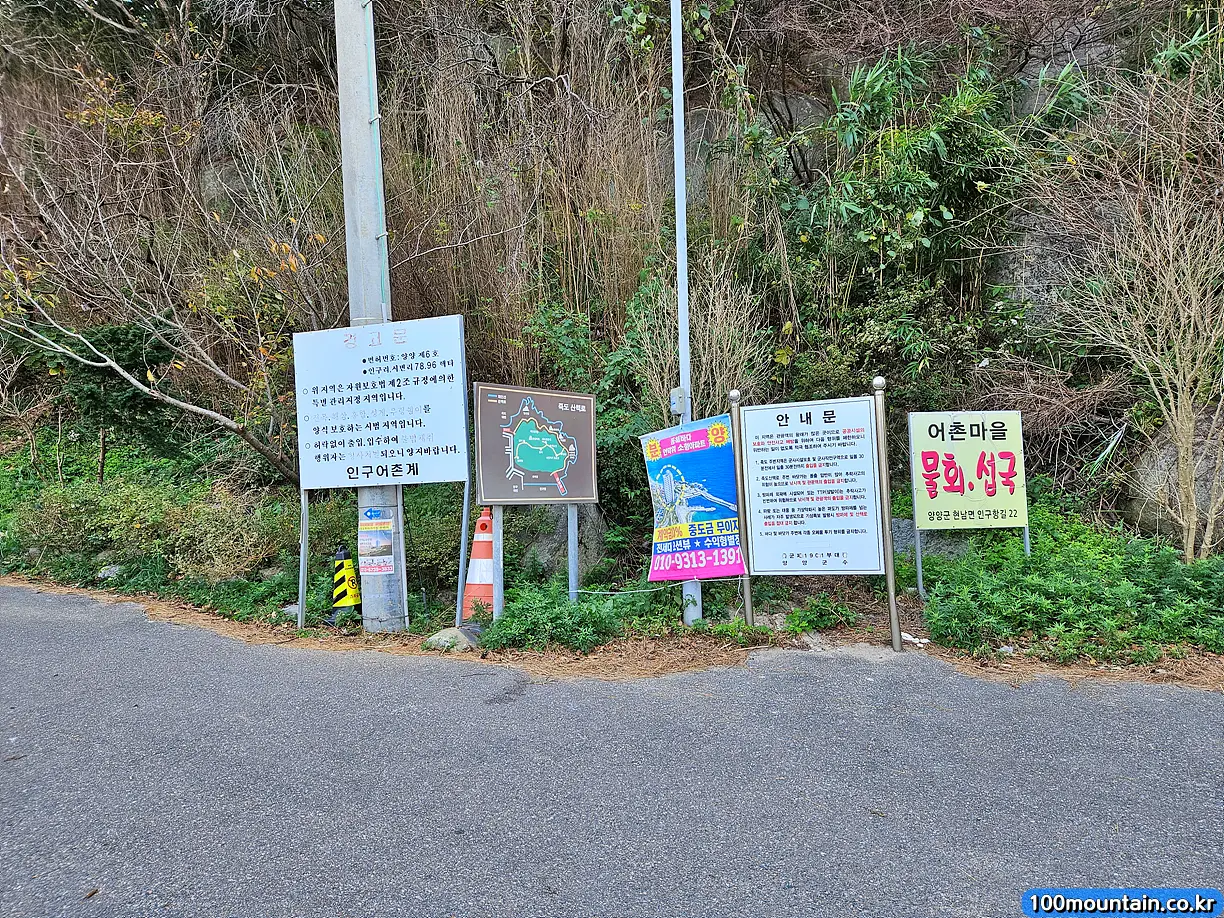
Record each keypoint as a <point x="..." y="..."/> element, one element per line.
<point x="1083" y="593"/>
<point x="537" y="617"/>
<point x="212" y="535"/>
<point x="818" y="613"/>
<point x="127" y="517"/>
<point x="227" y="534"/>
<point x="333" y="521"/>
<point x="434" y="514"/>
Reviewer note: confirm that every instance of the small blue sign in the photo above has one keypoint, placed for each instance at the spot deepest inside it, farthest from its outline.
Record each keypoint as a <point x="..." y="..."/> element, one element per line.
<point x="372" y="513"/>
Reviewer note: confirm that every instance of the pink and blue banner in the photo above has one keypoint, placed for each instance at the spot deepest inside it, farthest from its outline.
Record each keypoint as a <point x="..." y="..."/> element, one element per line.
<point x="692" y="483"/>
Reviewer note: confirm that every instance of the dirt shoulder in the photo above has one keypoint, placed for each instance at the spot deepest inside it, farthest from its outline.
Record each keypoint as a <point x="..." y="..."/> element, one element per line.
<point x="633" y="658"/>
<point x="1195" y="669"/>
<point x="645" y="658"/>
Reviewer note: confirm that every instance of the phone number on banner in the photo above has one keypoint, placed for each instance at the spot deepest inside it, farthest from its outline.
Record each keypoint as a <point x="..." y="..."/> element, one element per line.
<point x="695" y="560"/>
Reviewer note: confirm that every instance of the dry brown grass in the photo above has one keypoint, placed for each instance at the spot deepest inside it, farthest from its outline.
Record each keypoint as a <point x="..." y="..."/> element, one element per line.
<point x="846" y="30"/>
<point x="1062" y="422"/>
<point x="1138" y="214"/>
<point x="520" y="175"/>
<point x="526" y="172"/>
<point x="729" y="349"/>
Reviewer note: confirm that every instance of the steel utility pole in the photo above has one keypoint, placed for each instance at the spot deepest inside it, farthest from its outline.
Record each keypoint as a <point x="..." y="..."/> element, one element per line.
<point x="692" y="588"/>
<point x="369" y="274"/>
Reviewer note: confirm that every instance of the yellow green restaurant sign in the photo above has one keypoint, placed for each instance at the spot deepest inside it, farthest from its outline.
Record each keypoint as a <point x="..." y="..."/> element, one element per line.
<point x="967" y="469"/>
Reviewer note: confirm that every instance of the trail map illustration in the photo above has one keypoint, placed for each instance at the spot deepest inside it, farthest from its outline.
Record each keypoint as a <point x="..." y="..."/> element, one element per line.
<point x="539" y="448"/>
<point x="534" y="446"/>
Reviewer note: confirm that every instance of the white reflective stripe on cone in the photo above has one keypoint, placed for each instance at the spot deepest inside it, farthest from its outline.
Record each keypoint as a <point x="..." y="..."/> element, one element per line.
<point x="480" y="570"/>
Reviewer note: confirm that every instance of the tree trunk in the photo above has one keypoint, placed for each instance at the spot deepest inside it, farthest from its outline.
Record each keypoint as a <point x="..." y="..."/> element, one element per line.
<point x="101" y="455"/>
<point x="1215" y="503"/>
<point x="1186" y="495"/>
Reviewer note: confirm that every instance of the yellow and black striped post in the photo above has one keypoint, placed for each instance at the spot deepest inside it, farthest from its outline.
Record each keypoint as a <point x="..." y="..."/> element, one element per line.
<point x="346" y="590"/>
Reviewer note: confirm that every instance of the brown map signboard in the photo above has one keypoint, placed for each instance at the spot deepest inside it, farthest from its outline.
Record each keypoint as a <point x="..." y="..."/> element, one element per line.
<point x="534" y="446"/>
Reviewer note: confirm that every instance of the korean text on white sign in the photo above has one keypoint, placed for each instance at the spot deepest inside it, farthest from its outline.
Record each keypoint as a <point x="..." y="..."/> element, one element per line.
<point x="382" y="404"/>
<point x="811" y="478"/>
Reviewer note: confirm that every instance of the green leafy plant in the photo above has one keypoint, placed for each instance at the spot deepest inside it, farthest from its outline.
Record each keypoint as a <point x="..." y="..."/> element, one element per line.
<point x="736" y="630"/>
<point x="536" y="618"/>
<point x="887" y="238"/>
<point x="103" y="401"/>
<point x="1083" y="594"/>
<point x="820" y="612"/>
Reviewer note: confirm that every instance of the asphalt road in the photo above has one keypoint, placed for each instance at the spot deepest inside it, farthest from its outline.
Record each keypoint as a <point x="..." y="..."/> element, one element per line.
<point x="180" y="773"/>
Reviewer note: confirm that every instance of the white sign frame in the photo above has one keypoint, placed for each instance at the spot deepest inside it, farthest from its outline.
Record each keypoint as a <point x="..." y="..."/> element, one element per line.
<point x="763" y="558"/>
<point x="395" y="352"/>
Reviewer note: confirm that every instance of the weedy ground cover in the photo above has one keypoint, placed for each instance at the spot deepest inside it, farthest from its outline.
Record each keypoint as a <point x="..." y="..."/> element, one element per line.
<point x="1084" y="593"/>
<point x="172" y="528"/>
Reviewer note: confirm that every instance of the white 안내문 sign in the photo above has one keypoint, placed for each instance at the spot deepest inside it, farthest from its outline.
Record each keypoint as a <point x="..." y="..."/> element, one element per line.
<point x="812" y="488"/>
<point x="382" y="404"/>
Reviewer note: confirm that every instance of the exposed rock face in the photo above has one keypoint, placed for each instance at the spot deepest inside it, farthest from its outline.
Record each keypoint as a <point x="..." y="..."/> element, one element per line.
<point x="222" y="186"/>
<point x="1038" y="263"/>
<point x="549" y="545"/>
<point x="795" y="111"/>
<point x="1152" y="488"/>
<point x="948" y="543"/>
<point x="1080" y="43"/>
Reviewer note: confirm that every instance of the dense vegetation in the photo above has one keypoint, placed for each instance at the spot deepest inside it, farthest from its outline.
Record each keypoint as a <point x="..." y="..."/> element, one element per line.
<point x="995" y="206"/>
<point x="1083" y="593"/>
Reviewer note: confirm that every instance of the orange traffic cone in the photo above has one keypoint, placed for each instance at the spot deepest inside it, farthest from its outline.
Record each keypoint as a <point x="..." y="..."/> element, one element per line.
<point x="479" y="586"/>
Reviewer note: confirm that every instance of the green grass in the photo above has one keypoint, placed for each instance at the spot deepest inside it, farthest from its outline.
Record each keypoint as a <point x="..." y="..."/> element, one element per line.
<point x="818" y="613"/>
<point x="174" y="531"/>
<point x="1084" y="594"/>
<point x="735" y="630"/>
<point x="537" y="617"/>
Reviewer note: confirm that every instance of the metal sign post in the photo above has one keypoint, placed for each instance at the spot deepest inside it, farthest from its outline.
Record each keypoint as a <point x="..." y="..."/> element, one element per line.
<point x="403" y="556"/>
<point x="467" y="500"/>
<point x="571" y="514"/>
<point x="303" y="559"/>
<point x="890" y="572"/>
<point x="463" y="549"/>
<point x="499" y="572"/>
<point x="692" y="588"/>
<point x="736" y="433"/>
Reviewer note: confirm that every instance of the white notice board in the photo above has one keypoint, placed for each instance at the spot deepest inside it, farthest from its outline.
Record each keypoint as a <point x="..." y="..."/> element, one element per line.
<point x="812" y="488"/>
<point x="382" y="404"/>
